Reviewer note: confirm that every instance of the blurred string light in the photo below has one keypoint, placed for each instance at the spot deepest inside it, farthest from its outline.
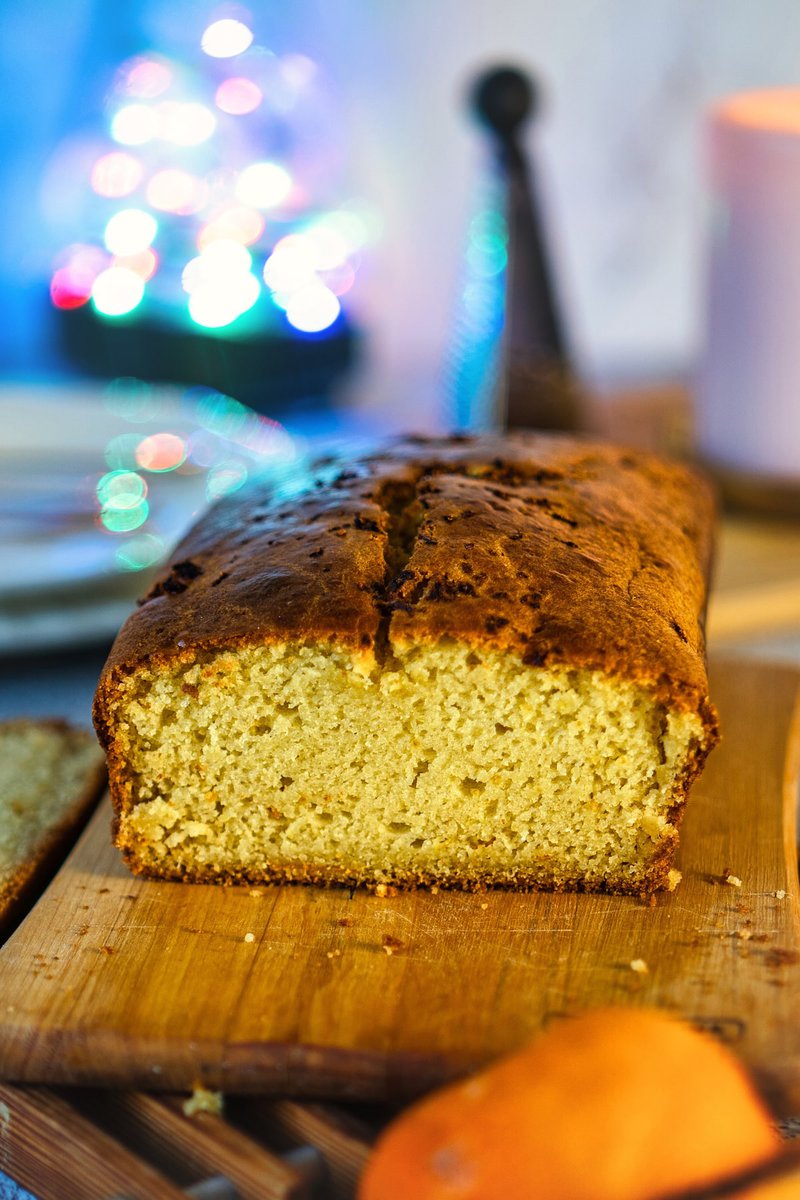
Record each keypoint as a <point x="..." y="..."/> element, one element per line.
<point x="143" y="264"/>
<point x="219" y="283"/>
<point x="473" y="361"/>
<point x="187" y="191"/>
<point x="297" y="274"/>
<point x="238" y="224"/>
<point x="140" y="552"/>
<point x="226" y="38"/>
<point x="487" y="253"/>
<point x="312" y="309"/>
<point x="122" y="499"/>
<point x="116" y="174"/>
<point x="120" y="453"/>
<point x="215" y="307"/>
<point x="263" y="185"/>
<point x="226" y="477"/>
<point x="161" y="452"/>
<point x="208" y="440"/>
<point x="134" y="125"/>
<point x="147" y="78"/>
<point x="184" y="124"/>
<point x="73" y="279"/>
<point x="176" y="191"/>
<point x="130" y="231"/>
<point x="117" y="291"/>
<point x="238" y="96"/>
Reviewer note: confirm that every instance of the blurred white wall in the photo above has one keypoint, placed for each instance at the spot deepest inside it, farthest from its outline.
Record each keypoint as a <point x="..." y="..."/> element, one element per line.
<point x="628" y="82"/>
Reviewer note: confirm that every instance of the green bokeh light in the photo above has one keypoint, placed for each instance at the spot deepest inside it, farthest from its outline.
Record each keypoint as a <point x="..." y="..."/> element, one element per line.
<point x="120" y="453"/>
<point x="141" y="552"/>
<point x="121" y="490"/>
<point x="123" y="520"/>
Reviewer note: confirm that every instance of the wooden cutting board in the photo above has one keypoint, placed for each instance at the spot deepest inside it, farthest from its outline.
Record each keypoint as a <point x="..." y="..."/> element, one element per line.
<point x="116" y="981"/>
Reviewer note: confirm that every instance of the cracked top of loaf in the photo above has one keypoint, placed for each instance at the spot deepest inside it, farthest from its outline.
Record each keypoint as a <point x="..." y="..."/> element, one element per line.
<point x="555" y="549"/>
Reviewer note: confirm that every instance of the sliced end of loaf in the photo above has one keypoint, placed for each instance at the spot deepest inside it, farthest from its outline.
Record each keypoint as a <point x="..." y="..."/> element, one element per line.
<point x="446" y="766"/>
<point x="50" y="773"/>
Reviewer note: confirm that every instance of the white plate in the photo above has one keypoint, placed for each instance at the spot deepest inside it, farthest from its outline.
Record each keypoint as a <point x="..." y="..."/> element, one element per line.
<point x="63" y="578"/>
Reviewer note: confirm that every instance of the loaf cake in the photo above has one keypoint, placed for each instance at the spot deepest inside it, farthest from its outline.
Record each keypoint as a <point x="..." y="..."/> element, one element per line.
<point x="457" y="661"/>
<point x="50" y="775"/>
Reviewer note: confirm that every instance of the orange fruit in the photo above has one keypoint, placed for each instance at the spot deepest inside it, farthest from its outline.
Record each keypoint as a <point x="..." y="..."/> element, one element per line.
<point x="618" y="1104"/>
<point x="773" y="1189"/>
<point x="781" y="1179"/>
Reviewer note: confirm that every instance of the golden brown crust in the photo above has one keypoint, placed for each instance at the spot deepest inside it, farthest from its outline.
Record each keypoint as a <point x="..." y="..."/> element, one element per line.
<point x="652" y="879"/>
<point x="556" y="549"/>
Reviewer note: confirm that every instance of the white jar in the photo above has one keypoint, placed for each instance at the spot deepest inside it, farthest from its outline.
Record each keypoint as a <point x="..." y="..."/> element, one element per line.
<point x="748" y="404"/>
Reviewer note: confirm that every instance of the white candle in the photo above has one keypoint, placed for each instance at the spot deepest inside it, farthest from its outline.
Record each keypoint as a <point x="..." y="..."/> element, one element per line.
<point x="748" y="412"/>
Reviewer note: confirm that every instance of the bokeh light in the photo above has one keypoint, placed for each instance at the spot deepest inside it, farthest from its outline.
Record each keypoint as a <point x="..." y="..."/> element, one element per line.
<point x="297" y="70"/>
<point x="329" y="247"/>
<point x="161" y="452"/>
<point x="134" y="124"/>
<point x="238" y="96"/>
<point x="291" y="265"/>
<point x="116" y="174"/>
<point x="238" y="224"/>
<point x="312" y="308"/>
<point x="352" y="228"/>
<point x="120" y="453"/>
<point x="222" y="414"/>
<point x="71" y="284"/>
<point x="123" y="520"/>
<point x="263" y="185"/>
<point x="66" y="291"/>
<point x="132" y="399"/>
<point x="175" y="191"/>
<point x="147" y="78"/>
<point x="184" y="124"/>
<point x="144" y="264"/>
<point x="226" y="477"/>
<point x="226" y="257"/>
<point x="130" y="231"/>
<point x="340" y="279"/>
<point x="204" y="448"/>
<point x="140" y="552"/>
<point x="222" y="301"/>
<point x="117" y="291"/>
<point x="225" y="419"/>
<point x="213" y="308"/>
<point x="220" y="262"/>
<point x="487" y="253"/>
<point x="120" y="489"/>
<point x="226" y="38"/>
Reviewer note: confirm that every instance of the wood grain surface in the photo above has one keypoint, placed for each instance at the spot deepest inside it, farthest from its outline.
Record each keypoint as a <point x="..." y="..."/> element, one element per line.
<point x="299" y="991"/>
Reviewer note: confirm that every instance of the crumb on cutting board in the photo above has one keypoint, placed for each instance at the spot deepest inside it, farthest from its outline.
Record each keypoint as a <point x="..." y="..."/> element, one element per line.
<point x="203" y="1101"/>
<point x="391" y="944"/>
<point x="639" y="966"/>
<point x="733" y="881"/>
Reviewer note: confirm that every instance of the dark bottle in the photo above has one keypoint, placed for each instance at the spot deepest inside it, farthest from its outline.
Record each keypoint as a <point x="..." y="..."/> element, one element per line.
<point x="536" y="387"/>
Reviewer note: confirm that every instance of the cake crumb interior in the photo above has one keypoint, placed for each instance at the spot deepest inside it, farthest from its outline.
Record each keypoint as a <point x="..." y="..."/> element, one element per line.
<point x="43" y="771"/>
<point x="448" y="764"/>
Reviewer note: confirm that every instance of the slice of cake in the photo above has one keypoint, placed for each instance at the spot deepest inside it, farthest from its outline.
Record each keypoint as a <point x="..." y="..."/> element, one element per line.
<point x="50" y="775"/>
<point x="461" y="661"/>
